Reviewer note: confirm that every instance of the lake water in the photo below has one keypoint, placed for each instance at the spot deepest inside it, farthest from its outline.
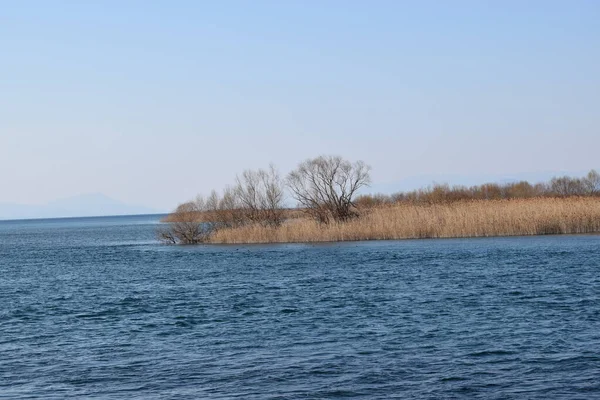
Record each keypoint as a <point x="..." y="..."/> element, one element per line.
<point x="95" y="308"/>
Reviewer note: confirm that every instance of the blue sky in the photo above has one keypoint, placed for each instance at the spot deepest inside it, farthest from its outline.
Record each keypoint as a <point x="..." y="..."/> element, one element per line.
<point x="154" y="102"/>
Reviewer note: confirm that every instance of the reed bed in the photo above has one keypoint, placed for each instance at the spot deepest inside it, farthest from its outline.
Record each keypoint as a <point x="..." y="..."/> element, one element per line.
<point x="478" y="218"/>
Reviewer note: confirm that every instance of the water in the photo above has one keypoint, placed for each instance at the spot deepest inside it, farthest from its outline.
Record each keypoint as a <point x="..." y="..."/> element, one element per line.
<point x="95" y="308"/>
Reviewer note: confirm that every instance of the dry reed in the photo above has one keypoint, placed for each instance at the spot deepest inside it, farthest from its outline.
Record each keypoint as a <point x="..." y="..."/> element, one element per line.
<point x="477" y="218"/>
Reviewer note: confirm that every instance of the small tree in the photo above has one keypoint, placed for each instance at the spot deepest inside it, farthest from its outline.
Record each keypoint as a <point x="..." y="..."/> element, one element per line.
<point x="325" y="187"/>
<point x="260" y="194"/>
<point x="567" y="186"/>
<point x="592" y="183"/>
<point x="225" y="211"/>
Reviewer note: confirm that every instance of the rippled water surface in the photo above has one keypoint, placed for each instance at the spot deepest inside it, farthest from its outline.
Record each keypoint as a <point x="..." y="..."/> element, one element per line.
<point x="94" y="308"/>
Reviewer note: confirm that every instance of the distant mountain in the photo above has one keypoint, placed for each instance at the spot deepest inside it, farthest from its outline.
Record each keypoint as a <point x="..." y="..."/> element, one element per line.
<point x="85" y="205"/>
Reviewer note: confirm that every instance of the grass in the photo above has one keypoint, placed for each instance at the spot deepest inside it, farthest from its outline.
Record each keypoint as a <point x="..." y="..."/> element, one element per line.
<point x="478" y="218"/>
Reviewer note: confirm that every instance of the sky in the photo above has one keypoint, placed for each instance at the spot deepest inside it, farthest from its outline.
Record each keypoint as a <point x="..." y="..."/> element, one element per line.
<point x="153" y="102"/>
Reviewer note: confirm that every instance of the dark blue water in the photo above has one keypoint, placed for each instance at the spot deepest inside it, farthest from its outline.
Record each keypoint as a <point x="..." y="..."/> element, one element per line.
<point x="95" y="308"/>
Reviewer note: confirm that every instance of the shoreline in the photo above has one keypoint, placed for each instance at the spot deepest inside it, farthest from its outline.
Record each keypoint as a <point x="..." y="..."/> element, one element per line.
<point x="463" y="219"/>
<point x="358" y="241"/>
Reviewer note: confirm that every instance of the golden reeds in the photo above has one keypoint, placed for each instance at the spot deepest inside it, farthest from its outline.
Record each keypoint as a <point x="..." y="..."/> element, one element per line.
<point x="477" y="218"/>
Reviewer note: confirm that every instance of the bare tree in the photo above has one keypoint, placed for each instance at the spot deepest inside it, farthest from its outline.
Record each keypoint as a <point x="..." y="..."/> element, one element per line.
<point x="567" y="186"/>
<point x="325" y="187"/>
<point x="228" y="212"/>
<point x="260" y="193"/>
<point x="592" y="183"/>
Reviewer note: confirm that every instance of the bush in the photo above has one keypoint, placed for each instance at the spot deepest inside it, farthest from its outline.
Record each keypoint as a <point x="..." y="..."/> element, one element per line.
<point x="185" y="226"/>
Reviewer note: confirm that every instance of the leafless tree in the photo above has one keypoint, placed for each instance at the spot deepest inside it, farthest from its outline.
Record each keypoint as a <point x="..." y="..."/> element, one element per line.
<point x="325" y="187"/>
<point x="592" y="183"/>
<point x="261" y="194"/>
<point x="223" y="211"/>
<point x="567" y="186"/>
<point x="228" y="213"/>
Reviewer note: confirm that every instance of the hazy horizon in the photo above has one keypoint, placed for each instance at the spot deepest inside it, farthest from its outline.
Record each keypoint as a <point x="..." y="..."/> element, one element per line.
<point x="151" y="104"/>
<point x="99" y="204"/>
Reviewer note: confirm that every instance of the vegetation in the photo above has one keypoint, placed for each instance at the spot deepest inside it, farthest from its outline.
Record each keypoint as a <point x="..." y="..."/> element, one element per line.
<point x="260" y="194"/>
<point x="184" y="226"/>
<point x="564" y="186"/>
<point x="256" y="198"/>
<point x="476" y="218"/>
<point x="325" y="188"/>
